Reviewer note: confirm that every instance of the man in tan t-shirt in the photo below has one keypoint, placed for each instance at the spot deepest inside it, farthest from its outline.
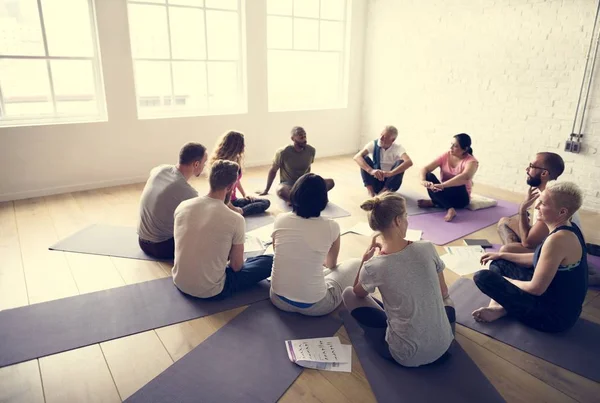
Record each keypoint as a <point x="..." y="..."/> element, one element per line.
<point x="292" y="162"/>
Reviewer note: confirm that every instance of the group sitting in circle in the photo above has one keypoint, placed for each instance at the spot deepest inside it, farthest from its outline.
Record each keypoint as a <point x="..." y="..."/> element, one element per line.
<point x="539" y="277"/>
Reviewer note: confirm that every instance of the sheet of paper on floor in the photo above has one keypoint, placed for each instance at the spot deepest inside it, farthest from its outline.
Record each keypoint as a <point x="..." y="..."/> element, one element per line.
<point x="253" y="244"/>
<point x="463" y="260"/>
<point x="263" y="233"/>
<point x="324" y="353"/>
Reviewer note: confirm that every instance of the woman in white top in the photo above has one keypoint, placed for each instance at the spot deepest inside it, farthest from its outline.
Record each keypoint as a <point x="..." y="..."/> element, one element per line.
<point x="412" y="326"/>
<point x="304" y="242"/>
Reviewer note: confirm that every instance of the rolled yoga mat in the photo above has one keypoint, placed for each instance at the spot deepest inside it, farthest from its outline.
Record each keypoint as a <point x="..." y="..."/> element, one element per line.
<point x="576" y="349"/>
<point x="52" y="327"/>
<point x="244" y="361"/>
<point x="454" y="379"/>
<point x="440" y="232"/>
<point x="111" y="240"/>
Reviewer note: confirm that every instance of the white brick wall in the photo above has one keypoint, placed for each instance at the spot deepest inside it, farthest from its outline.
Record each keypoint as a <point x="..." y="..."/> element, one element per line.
<point x="507" y="72"/>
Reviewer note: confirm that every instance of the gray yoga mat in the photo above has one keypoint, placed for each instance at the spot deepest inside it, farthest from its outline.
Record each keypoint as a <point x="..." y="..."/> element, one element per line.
<point x="454" y="379"/>
<point x="52" y="327"/>
<point x="411" y="198"/>
<point x="244" y="361"/>
<point x="331" y="211"/>
<point x="577" y="349"/>
<point x="112" y="240"/>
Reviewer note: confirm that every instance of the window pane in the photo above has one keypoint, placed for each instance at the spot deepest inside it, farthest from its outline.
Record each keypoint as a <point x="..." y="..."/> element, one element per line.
<point x="279" y="32"/>
<point x="25" y="87"/>
<point x="74" y="87"/>
<point x="189" y="80"/>
<point x="153" y="84"/>
<point x="223" y="86"/>
<point x="281" y="7"/>
<point x="333" y="9"/>
<point x="303" y="80"/>
<point x="306" y="34"/>
<point x="198" y="3"/>
<point x="223" y="35"/>
<point x="332" y="35"/>
<point x="148" y="31"/>
<point x="222" y="4"/>
<point x="68" y="29"/>
<point x="187" y="33"/>
<point x="20" y="29"/>
<point x="306" y="8"/>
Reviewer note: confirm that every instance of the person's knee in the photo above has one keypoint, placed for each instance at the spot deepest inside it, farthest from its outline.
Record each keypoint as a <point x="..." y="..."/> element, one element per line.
<point x="348" y="296"/>
<point x="430" y="177"/>
<point x="482" y="277"/>
<point x="503" y="221"/>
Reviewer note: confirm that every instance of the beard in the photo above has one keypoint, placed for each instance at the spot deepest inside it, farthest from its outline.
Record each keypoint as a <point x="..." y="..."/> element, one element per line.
<point x="534" y="181"/>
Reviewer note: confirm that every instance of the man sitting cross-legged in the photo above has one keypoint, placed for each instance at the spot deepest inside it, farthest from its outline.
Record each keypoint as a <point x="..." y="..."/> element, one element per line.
<point x="292" y="162"/>
<point x="165" y="189"/>
<point x="209" y="242"/>
<point x="385" y="170"/>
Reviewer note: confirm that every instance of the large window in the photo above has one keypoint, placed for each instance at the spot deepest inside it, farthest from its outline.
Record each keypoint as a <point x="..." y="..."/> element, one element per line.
<point x="307" y="48"/>
<point x="187" y="56"/>
<point x="49" y="64"/>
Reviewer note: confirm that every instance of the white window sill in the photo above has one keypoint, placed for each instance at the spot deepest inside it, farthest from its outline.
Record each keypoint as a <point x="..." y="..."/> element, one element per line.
<point x="52" y="121"/>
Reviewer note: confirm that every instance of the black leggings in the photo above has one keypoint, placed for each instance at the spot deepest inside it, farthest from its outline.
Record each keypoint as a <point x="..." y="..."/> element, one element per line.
<point x="530" y="309"/>
<point x="374" y="323"/>
<point x="257" y="206"/>
<point x="452" y="197"/>
<point x="164" y="250"/>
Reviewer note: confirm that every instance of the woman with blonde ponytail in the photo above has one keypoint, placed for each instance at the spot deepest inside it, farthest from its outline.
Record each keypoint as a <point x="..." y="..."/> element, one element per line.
<point x="412" y="326"/>
<point x="230" y="147"/>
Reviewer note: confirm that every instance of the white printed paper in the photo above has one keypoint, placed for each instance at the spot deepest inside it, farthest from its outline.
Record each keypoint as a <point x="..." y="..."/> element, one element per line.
<point x="362" y="228"/>
<point x="326" y="353"/>
<point x="253" y="244"/>
<point x="413" y="235"/>
<point x="463" y="260"/>
<point x="263" y="233"/>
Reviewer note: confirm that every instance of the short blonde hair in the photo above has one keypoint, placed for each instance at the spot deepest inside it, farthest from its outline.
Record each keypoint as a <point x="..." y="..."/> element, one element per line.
<point x="383" y="209"/>
<point x="567" y="195"/>
<point x="223" y="174"/>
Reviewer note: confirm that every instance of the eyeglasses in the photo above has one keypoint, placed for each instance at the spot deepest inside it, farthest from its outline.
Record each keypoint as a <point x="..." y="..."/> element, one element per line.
<point x="531" y="166"/>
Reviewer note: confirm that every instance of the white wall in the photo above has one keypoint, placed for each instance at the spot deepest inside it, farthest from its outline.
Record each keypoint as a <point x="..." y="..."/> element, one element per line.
<point x="507" y="72"/>
<point x="41" y="160"/>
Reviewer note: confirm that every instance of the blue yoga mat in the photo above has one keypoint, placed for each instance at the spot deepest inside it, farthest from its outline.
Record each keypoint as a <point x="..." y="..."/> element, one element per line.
<point x="454" y="379"/>
<point x="52" y="327"/>
<point x="244" y="361"/>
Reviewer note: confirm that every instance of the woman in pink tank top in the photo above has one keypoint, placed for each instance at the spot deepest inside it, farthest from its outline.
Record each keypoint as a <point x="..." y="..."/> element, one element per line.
<point x="457" y="168"/>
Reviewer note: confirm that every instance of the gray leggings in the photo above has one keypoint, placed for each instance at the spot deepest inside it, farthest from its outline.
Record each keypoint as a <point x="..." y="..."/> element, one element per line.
<point x="370" y="315"/>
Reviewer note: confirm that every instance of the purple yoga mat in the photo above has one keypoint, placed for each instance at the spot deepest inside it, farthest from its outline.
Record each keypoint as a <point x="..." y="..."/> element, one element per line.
<point x="244" y="361"/>
<point x="440" y="232"/>
<point x="576" y="349"/>
<point x="52" y="327"/>
<point x="455" y="378"/>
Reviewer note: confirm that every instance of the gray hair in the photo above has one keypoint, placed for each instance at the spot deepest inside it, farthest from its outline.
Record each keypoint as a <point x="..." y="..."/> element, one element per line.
<point x="391" y="130"/>
<point x="567" y="195"/>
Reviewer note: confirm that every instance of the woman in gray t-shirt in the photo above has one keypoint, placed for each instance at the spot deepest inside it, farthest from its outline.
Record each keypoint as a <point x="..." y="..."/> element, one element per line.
<point x="412" y="326"/>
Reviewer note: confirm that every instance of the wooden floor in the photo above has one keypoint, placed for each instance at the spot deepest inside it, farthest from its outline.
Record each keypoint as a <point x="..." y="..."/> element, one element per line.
<point x="112" y="371"/>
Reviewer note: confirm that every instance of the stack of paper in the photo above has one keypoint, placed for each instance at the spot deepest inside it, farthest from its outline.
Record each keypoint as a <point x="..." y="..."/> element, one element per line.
<point x="263" y="233"/>
<point x="327" y="354"/>
<point x="463" y="260"/>
<point x="253" y="246"/>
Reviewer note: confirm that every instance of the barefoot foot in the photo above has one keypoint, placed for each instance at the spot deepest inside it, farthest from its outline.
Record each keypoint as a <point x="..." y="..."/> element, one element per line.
<point x="489" y="314"/>
<point x="450" y="215"/>
<point x="424" y="203"/>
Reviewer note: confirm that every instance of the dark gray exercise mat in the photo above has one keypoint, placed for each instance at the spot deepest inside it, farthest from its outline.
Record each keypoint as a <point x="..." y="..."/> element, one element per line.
<point x="112" y="240"/>
<point x="52" y="327"/>
<point x="244" y="361"/>
<point x="411" y="198"/>
<point x="455" y="379"/>
<point x="577" y="349"/>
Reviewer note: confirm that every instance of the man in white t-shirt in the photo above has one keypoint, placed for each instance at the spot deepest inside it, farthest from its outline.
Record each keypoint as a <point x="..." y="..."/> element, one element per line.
<point x="209" y="242"/>
<point x="383" y="163"/>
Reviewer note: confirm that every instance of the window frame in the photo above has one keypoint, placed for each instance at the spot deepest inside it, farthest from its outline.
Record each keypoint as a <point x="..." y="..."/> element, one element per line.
<point x="343" y="67"/>
<point x="56" y="117"/>
<point x="172" y="111"/>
